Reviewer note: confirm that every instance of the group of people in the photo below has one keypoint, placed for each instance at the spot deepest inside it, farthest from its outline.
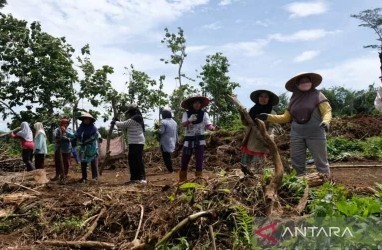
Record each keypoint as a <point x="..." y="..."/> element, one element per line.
<point x="308" y="111"/>
<point x="86" y="136"/>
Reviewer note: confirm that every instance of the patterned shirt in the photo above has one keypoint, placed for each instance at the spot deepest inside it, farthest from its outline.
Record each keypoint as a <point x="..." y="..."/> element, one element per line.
<point x="196" y="129"/>
<point x="135" y="133"/>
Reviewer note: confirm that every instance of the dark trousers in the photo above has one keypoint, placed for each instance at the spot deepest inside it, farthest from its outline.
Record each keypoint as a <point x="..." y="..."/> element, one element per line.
<point x="94" y="168"/>
<point x="39" y="161"/>
<point x="65" y="161"/>
<point x="167" y="160"/>
<point x="27" y="155"/>
<point x="135" y="158"/>
<point x="199" y="157"/>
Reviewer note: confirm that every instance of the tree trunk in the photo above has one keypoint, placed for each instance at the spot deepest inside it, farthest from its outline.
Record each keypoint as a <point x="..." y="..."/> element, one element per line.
<point x="109" y="135"/>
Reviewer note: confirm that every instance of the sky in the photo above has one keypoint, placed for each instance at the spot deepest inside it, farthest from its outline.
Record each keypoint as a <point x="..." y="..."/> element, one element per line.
<point x="265" y="41"/>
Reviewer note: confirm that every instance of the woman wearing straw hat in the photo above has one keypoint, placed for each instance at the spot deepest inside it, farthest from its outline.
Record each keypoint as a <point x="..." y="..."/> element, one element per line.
<point x="253" y="149"/>
<point x="310" y="114"/>
<point x="87" y="137"/>
<point x="136" y="139"/>
<point x="195" y="120"/>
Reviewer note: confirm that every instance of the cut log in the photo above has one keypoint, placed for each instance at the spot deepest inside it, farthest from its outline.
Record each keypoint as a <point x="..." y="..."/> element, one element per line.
<point x="315" y="179"/>
<point x="32" y="177"/>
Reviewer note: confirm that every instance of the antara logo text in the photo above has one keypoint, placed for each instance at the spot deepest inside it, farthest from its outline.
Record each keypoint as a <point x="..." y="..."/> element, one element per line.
<point x="312" y="231"/>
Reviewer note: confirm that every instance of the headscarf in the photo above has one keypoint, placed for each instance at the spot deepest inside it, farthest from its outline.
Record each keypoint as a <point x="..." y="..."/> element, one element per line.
<point x="85" y="131"/>
<point x="39" y="128"/>
<point x="258" y="109"/>
<point x="199" y="113"/>
<point x="302" y="104"/>
<point x="25" y="132"/>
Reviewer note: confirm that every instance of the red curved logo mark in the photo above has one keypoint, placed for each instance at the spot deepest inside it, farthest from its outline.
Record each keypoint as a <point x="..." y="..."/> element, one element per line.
<point x="269" y="237"/>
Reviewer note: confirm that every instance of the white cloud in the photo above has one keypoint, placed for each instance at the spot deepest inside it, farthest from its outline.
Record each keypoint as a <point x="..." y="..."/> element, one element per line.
<point x="227" y="2"/>
<point x="302" y="35"/>
<point x="254" y="48"/>
<point x="356" y="73"/>
<point x="306" y="55"/>
<point x="304" y="9"/>
<point x="264" y="23"/>
<point x="212" y="26"/>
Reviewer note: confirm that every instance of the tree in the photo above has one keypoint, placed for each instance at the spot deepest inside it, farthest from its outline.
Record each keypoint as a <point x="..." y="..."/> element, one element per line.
<point x="3" y="3"/>
<point x="141" y="92"/>
<point x="36" y="70"/>
<point x="283" y="103"/>
<point x="176" y="99"/>
<point x="216" y="84"/>
<point x="94" y="85"/>
<point x="373" y="19"/>
<point x="177" y="44"/>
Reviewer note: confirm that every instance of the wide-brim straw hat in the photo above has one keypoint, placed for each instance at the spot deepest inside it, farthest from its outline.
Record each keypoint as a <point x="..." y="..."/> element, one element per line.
<point x="86" y="115"/>
<point x="273" y="98"/>
<point x="187" y="103"/>
<point x="315" y="78"/>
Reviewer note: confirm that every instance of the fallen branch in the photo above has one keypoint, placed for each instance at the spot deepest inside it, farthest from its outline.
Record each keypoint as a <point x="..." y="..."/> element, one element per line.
<point x="94" y="197"/>
<point x="211" y="230"/>
<point x="27" y="188"/>
<point x="93" y="226"/>
<point x="304" y="200"/>
<point x="140" y="223"/>
<point x="183" y="223"/>
<point x="79" y="244"/>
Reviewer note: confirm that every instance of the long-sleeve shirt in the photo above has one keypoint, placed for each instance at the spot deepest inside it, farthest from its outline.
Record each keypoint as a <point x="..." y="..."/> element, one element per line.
<point x="40" y="144"/>
<point x="169" y="133"/>
<point x="24" y="144"/>
<point x="135" y="133"/>
<point x="64" y="140"/>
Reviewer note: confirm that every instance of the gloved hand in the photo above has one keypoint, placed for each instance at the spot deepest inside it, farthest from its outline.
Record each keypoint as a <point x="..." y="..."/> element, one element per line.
<point x="193" y="118"/>
<point x="112" y="122"/>
<point x="325" y="126"/>
<point x="262" y="116"/>
<point x="156" y="125"/>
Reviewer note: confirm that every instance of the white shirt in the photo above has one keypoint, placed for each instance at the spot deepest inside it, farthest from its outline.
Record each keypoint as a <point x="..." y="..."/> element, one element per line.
<point x="196" y="129"/>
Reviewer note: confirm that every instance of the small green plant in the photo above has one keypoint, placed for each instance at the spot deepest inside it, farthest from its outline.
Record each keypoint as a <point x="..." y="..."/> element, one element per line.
<point x="372" y="147"/>
<point x="70" y="224"/>
<point x="340" y="148"/>
<point x="243" y="236"/>
<point x="293" y="185"/>
<point x="181" y="245"/>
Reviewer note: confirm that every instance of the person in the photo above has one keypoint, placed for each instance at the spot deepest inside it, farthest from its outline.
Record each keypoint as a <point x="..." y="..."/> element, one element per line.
<point x="62" y="149"/>
<point x="378" y="98"/>
<point x="195" y="120"/>
<point x="40" y="148"/>
<point x="87" y="137"/>
<point x="25" y="135"/>
<point x="168" y="131"/>
<point x="136" y="139"/>
<point x="253" y="150"/>
<point x="310" y="114"/>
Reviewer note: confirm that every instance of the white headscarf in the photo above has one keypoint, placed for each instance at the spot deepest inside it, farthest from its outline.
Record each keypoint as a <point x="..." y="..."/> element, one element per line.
<point x="39" y="128"/>
<point x="25" y="132"/>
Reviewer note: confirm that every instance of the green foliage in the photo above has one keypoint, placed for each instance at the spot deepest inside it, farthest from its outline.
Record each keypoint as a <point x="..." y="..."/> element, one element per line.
<point x="36" y="70"/>
<point x="176" y="98"/>
<point x="216" y="84"/>
<point x="340" y="148"/>
<point x="283" y="103"/>
<point x="345" y="102"/>
<point x="141" y="91"/>
<point x="177" y="44"/>
<point x="243" y="236"/>
<point x="3" y="3"/>
<point x="70" y="224"/>
<point x="293" y="185"/>
<point x="181" y="245"/>
<point x="372" y="147"/>
<point x="372" y="19"/>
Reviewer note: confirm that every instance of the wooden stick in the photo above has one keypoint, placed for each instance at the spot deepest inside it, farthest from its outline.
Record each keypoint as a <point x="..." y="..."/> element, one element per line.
<point x="140" y="223"/>
<point x="27" y="188"/>
<point x="184" y="222"/>
<point x="211" y="230"/>
<point x="96" y="198"/>
<point x="79" y="244"/>
<point x="304" y="200"/>
<point x="93" y="226"/>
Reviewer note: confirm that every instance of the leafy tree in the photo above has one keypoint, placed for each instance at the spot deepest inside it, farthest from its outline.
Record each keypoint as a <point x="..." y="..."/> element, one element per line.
<point x="141" y="90"/>
<point x="36" y="69"/>
<point x="177" y="44"/>
<point x="283" y="103"/>
<point x="94" y="85"/>
<point x="373" y="19"/>
<point x="176" y="99"/>
<point x="216" y="83"/>
<point x="3" y="3"/>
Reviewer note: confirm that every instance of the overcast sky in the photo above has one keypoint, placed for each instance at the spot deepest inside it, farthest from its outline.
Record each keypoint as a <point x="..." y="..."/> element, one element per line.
<point x="266" y="41"/>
